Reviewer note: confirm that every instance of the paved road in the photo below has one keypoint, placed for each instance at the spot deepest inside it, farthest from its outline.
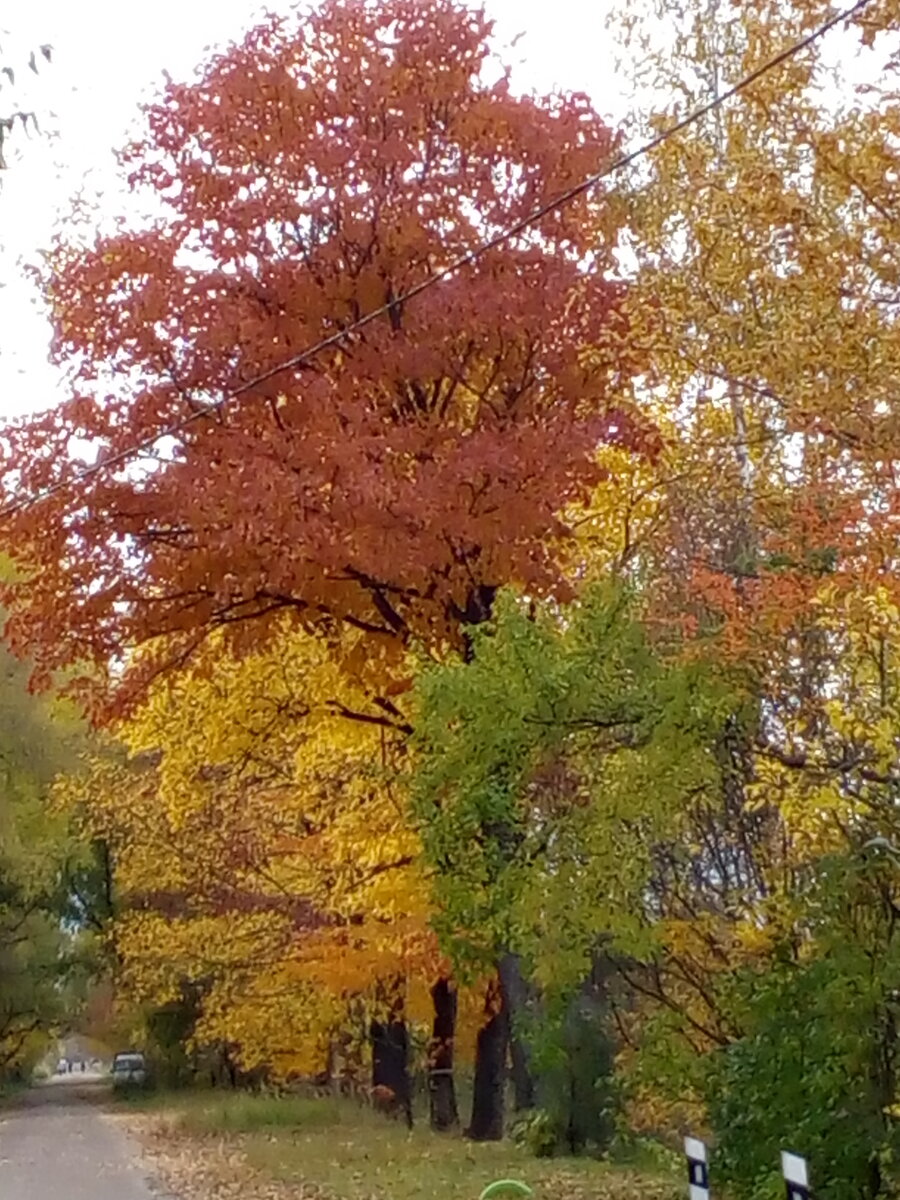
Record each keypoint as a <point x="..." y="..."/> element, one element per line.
<point x="57" y="1145"/>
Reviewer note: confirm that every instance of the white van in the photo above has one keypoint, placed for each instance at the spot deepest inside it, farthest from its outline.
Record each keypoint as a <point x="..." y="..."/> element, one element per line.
<point x="129" y="1069"/>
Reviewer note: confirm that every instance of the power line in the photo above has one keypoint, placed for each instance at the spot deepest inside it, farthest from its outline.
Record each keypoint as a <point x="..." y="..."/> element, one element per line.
<point x="463" y="260"/>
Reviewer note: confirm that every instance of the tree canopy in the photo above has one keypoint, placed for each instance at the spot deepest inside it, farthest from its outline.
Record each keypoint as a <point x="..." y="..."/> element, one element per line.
<point x="400" y="477"/>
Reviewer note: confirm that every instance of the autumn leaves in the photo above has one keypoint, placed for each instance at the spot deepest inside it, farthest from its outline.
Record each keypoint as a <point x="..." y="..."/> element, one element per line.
<point x="534" y="648"/>
<point x="294" y="558"/>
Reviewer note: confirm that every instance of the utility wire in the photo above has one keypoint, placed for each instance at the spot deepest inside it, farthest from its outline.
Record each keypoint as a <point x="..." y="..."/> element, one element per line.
<point x="463" y="260"/>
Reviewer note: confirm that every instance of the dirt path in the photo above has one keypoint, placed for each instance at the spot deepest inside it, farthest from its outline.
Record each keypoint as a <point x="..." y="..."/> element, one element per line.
<point x="58" y="1145"/>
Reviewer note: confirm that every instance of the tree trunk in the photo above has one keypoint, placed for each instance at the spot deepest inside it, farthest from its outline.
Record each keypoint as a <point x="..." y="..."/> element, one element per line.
<point x="325" y="1080"/>
<point x="490" y="1070"/>
<point x="391" y="1087"/>
<point x="441" y="1088"/>
<point x="518" y="998"/>
<point x="229" y="1067"/>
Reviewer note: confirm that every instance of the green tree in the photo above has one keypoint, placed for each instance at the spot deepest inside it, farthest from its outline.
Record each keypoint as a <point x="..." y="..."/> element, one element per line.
<point x="815" y="1067"/>
<point x="38" y="738"/>
<point x="548" y="766"/>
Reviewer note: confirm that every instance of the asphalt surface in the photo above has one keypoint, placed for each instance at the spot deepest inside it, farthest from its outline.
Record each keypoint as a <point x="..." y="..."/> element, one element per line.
<point x="56" y="1144"/>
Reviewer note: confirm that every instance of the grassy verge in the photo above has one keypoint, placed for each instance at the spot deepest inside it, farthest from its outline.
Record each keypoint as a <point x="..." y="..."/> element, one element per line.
<point x="10" y="1090"/>
<point x="341" y="1150"/>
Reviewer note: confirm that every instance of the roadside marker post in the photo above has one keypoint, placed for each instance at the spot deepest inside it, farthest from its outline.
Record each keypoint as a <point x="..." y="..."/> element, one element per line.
<point x="796" y="1176"/>
<point x="698" y="1168"/>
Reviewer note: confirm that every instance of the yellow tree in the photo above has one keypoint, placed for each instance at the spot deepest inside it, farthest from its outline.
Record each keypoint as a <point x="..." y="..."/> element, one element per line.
<point x="262" y="848"/>
<point x="765" y="242"/>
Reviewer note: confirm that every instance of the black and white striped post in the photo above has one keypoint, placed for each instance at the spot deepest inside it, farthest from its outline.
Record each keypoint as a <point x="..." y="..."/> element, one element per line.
<point x="698" y="1168"/>
<point x="796" y="1176"/>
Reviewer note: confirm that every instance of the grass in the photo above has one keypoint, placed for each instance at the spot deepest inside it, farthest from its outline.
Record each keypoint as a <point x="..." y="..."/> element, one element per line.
<point x="243" y="1112"/>
<point x="10" y="1089"/>
<point x="343" y="1150"/>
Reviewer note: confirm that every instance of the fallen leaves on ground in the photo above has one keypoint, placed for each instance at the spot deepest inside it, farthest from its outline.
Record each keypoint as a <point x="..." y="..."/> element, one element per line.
<point x="192" y="1166"/>
<point x="205" y="1168"/>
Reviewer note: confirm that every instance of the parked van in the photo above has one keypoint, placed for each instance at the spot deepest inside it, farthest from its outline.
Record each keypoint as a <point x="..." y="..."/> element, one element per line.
<point x="129" y="1069"/>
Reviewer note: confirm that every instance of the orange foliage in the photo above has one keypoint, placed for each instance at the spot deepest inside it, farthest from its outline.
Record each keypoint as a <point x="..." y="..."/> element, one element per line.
<point x="320" y="169"/>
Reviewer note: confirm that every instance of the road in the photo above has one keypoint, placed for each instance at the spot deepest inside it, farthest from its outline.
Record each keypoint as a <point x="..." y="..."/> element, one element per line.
<point x="56" y="1144"/>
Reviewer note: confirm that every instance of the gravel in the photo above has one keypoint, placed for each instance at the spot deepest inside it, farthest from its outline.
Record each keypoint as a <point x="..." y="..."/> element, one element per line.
<point x="58" y="1144"/>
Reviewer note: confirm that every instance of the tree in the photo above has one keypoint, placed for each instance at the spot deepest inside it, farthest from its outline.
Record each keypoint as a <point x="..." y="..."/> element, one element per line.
<point x="264" y="864"/>
<point x="763" y="343"/>
<point x="547" y="769"/>
<point x="395" y="482"/>
<point x="815" y="1066"/>
<point x="764" y="239"/>
<point x="318" y="170"/>
<point x="39" y="737"/>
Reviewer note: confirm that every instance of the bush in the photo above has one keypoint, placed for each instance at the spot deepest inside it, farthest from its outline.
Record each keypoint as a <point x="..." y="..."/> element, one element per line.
<point x="805" y="1078"/>
<point x="537" y="1132"/>
<point x="645" y="1153"/>
<point x="573" y="1060"/>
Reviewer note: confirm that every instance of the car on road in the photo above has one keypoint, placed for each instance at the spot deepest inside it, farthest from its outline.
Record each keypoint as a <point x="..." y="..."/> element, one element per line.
<point x="129" y="1069"/>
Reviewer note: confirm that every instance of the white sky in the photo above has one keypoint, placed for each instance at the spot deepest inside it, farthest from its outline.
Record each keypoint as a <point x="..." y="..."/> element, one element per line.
<point x="109" y="54"/>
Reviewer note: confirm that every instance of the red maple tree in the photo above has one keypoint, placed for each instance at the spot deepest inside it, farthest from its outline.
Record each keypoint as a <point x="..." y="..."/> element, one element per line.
<point x="314" y="172"/>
